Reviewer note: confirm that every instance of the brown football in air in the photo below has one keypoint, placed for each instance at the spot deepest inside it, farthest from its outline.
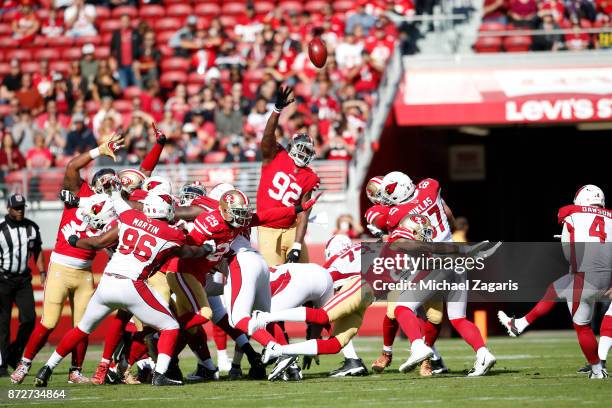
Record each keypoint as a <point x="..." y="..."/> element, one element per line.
<point x="317" y="51"/>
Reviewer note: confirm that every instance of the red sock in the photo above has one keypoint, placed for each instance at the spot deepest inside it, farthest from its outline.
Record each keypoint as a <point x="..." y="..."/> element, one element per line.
<point x="317" y="316"/>
<point x="37" y="340"/>
<point x="587" y="341"/>
<point x="408" y="322"/>
<point x="279" y="334"/>
<point x="114" y="332"/>
<point x="224" y="325"/>
<point x="261" y="336"/>
<point x="78" y="353"/>
<point x="328" y="346"/>
<point x="167" y="341"/>
<point x="544" y="306"/>
<point x="138" y="348"/>
<point x="469" y="332"/>
<point x="189" y="320"/>
<point x="432" y="331"/>
<point x="389" y="329"/>
<point x="198" y="343"/>
<point x="220" y="337"/>
<point x="70" y="341"/>
<point x="606" y="327"/>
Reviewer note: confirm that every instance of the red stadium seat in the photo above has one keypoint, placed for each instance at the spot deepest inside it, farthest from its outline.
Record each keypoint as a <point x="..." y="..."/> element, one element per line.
<point x="39" y="42"/>
<point x="42" y="14"/>
<point x="151" y="11"/>
<point x="287" y="6"/>
<point x="193" y="89"/>
<point x="121" y="10"/>
<point x="106" y="37"/>
<point x="95" y="40"/>
<point x="262" y="7"/>
<point x="168" y="23"/>
<point x="163" y="37"/>
<point x="60" y="42"/>
<point x="19" y="54"/>
<point x="72" y="54"/>
<point x="102" y="12"/>
<point x="5" y="68"/>
<point x="206" y="1"/>
<point x="165" y="50"/>
<point x="168" y="2"/>
<point x="30" y="67"/>
<point x="109" y="26"/>
<point x="175" y="64"/>
<point x="5" y="29"/>
<point x="132" y="92"/>
<point x="228" y="21"/>
<point x="9" y="16"/>
<point x="214" y="157"/>
<point x="179" y="10"/>
<point x="102" y="52"/>
<point x="7" y="42"/>
<point x="233" y="9"/>
<point x="207" y="9"/>
<point x="342" y="6"/>
<point x="195" y="78"/>
<point x="122" y="105"/>
<point x="492" y="26"/>
<point x="5" y="109"/>
<point x="488" y="44"/>
<point x="59" y="66"/>
<point x="92" y="107"/>
<point x="169" y="79"/>
<point x="50" y="54"/>
<point x="517" y="43"/>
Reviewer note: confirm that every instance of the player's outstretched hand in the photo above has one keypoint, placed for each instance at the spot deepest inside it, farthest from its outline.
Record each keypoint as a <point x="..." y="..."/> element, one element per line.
<point x="293" y="256"/>
<point x="111" y="144"/>
<point x="307" y="361"/>
<point x="283" y="97"/>
<point x="69" y="198"/>
<point x="159" y="135"/>
<point x="308" y="204"/>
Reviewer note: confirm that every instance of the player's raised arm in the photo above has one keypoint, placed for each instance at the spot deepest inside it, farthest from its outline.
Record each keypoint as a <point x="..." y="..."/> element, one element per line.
<point x="152" y="158"/>
<point x="265" y="216"/>
<point x="268" y="142"/>
<point x="99" y="242"/>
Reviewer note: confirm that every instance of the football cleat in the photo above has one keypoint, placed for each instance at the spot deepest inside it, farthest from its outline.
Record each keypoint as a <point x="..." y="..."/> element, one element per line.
<point x="257" y="371"/>
<point x="482" y="365"/>
<point x="293" y="373"/>
<point x="235" y="373"/>
<point x="76" y="377"/>
<point x="419" y="351"/>
<point x="43" y="375"/>
<point x="20" y="372"/>
<point x="599" y="376"/>
<point x="174" y="371"/>
<point x="382" y="362"/>
<point x="202" y="374"/>
<point x="160" y="380"/>
<point x="508" y="323"/>
<point x="351" y="367"/>
<point x="586" y="369"/>
<point x="438" y="366"/>
<point x="281" y="365"/>
<point x="272" y="350"/>
<point x="99" y="377"/>
<point x="258" y="320"/>
<point x="426" y="370"/>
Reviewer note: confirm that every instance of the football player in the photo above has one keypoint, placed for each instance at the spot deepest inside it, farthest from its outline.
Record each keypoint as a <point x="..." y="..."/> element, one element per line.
<point x="70" y="274"/>
<point x="145" y="240"/>
<point x="286" y="180"/>
<point x="586" y="237"/>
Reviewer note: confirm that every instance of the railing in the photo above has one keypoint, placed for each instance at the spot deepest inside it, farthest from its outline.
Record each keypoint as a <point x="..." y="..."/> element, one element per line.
<point x="42" y="187"/>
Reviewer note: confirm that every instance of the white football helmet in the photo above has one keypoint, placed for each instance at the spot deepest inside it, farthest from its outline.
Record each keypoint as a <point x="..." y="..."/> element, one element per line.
<point x="337" y="244"/>
<point x="373" y="189"/>
<point x="131" y="179"/>
<point x="99" y="211"/>
<point x="396" y="188"/>
<point x="157" y="185"/>
<point x="417" y="226"/>
<point x="590" y="195"/>
<point x="159" y="206"/>
<point x="217" y="191"/>
<point x="190" y="192"/>
<point x="236" y="208"/>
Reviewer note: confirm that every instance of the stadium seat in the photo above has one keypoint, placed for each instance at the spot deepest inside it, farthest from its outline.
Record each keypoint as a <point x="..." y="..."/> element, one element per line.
<point x="287" y="6"/>
<point x="206" y="1"/>
<point x="132" y="92"/>
<point x="5" y="68"/>
<point x="517" y="43"/>
<point x="106" y="37"/>
<point x="5" y="109"/>
<point x="109" y="26"/>
<point x="60" y="66"/>
<point x="19" y="54"/>
<point x="102" y="52"/>
<point x="5" y="29"/>
<point x="342" y="6"/>
<point x="214" y="157"/>
<point x="167" y="23"/>
<point x="179" y="10"/>
<point x="122" y="105"/>
<point x="92" y="107"/>
<point x="30" y="67"/>
<point x="175" y="64"/>
<point x="195" y="78"/>
<point x="72" y="54"/>
<point x="169" y="79"/>
<point x="60" y="42"/>
<point x="228" y="21"/>
<point x="162" y="37"/>
<point x="262" y="7"/>
<point x="7" y="42"/>
<point x="50" y="54"/>
<point x="42" y="13"/>
<point x="102" y="12"/>
<point x="121" y="10"/>
<point x="95" y="40"/>
<point x="492" y="26"/>
<point x="193" y="89"/>
<point x="168" y="2"/>
<point x="488" y="44"/>
<point x="165" y="50"/>
<point x="233" y="9"/>
<point x="207" y="9"/>
<point x="151" y="11"/>
<point x="38" y="42"/>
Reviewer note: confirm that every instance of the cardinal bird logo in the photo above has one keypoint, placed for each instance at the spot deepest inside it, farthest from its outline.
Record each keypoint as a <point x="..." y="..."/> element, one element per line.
<point x="166" y="198"/>
<point x="152" y="184"/>
<point x="97" y="208"/>
<point x="390" y="188"/>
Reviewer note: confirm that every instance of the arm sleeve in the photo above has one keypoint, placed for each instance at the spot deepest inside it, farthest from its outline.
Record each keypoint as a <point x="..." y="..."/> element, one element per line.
<point x="120" y="205"/>
<point x="273" y="214"/>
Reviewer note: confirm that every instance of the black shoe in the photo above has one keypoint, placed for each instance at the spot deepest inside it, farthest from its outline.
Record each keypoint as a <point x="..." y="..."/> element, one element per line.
<point x="293" y="373"/>
<point x="161" y="380"/>
<point x="144" y="375"/>
<point x="235" y="373"/>
<point x="584" y="370"/>
<point x="3" y="371"/>
<point x="438" y="366"/>
<point x="174" y="371"/>
<point x="352" y="367"/>
<point x="257" y="370"/>
<point x="202" y="374"/>
<point x="282" y="364"/>
<point x="43" y="376"/>
<point x="112" y="377"/>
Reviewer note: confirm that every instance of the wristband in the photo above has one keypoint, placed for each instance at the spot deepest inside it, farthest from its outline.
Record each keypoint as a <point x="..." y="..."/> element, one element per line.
<point x="275" y="109"/>
<point x="296" y="245"/>
<point x="72" y="240"/>
<point x="94" y="153"/>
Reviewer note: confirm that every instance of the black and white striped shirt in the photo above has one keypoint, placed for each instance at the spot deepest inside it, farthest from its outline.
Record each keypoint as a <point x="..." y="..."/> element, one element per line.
<point x="18" y="241"/>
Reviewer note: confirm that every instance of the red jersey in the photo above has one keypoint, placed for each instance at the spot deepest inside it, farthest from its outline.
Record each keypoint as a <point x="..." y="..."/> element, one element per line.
<point x="427" y="201"/>
<point x="144" y="244"/>
<point x="64" y="253"/>
<point x="283" y="184"/>
<point x="377" y="216"/>
<point x="138" y="195"/>
<point x="207" y="203"/>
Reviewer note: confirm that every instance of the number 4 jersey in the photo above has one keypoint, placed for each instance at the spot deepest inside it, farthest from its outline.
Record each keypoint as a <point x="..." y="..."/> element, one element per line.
<point x="283" y="184"/>
<point x="144" y="244"/>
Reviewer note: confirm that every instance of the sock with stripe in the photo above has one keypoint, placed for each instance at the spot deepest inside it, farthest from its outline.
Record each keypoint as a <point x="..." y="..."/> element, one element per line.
<point x="390" y="328"/>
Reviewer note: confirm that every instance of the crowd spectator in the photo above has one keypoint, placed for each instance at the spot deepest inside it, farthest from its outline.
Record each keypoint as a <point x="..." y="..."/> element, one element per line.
<point x="52" y="26"/>
<point x="28" y="95"/>
<point x="126" y="44"/>
<point x="43" y="80"/>
<point x="184" y="40"/>
<point x="106" y="84"/>
<point x="235" y="153"/>
<point x="11" y="158"/>
<point x="523" y="13"/>
<point x="23" y="130"/>
<point x="547" y="42"/>
<point x="79" y="19"/>
<point x="577" y="40"/>
<point x="88" y="64"/>
<point x="80" y="139"/>
<point x="146" y="68"/>
<point x="360" y="17"/>
<point x="346" y="225"/>
<point x="11" y="81"/>
<point x="494" y="11"/>
<point x="39" y="156"/>
<point x="25" y="24"/>
<point x="106" y="111"/>
<point x="228" y="119"/>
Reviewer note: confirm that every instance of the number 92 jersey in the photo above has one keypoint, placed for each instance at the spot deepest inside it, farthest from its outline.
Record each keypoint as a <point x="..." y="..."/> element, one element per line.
<point x="427" y="200"/>
<point x="587" y="238"/>
<point x="283" y="184"/>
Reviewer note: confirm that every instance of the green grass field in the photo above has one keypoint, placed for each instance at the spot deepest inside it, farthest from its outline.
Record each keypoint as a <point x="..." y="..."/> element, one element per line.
<point x="535" y="370"/>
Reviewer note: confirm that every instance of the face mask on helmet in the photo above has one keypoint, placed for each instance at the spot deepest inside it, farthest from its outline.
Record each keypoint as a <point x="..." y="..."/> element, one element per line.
<point x="337" y="244"/>
<point x="302" y="150"/>
<point x="396" y="188"/>
<point x="157" y="185"/>
<point x="100" y="211"/>
<point x="373" y="189"/>
<point x="590" y="195"/>
<point x="236" y="208"/>
<point x="102" y="181"/>
<point x="159" y="206"/>
<point x="131" y="179"/>
<point x="190" y="192"/>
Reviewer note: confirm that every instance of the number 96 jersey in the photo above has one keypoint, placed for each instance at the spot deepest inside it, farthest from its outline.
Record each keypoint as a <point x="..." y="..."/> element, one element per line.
<point x="283" y="184"/>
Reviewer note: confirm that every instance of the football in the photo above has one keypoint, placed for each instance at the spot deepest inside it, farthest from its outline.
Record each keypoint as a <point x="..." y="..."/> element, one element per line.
<point x="317" y="51"/>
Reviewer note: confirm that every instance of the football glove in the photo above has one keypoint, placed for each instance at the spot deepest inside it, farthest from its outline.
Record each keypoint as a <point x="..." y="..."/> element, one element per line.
<point x="293" y="255"/>
<point x="282" y="97"/>
<point x="110" y="145"/>
<point x="159" y="135"/>
<point x="307" y="361"/>
<point x="377" y="232"/>
<point x="69" y="198"/>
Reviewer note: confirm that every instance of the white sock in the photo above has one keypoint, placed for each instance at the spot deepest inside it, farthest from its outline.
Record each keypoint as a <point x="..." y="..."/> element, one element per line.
<point x="54" y="360"/>
<point x="105" y="360"/>
<point x="521" y="324"/>
<point x="417" y="343"/>
<point x="208" y="363"/>
<point x="241" y="340"/>
<point x="306" y="348"/>
<point x="605" y="343"/>
<point x="297" y="314"/>
<point x="388" y="349"/>
<point x="436" y="355"/>
<point x="481" y="353"/>
<point x="349" y="351"/>
<point x="221" y="355"/>
<point x="596" y="368"/>
<point x="163" y="361"/>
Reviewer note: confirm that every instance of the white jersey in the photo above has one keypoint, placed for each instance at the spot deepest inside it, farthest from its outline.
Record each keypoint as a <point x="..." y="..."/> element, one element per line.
<point x="344" y="265"/>
<point x="587" y="238"/>
<point x="294" y="284"/>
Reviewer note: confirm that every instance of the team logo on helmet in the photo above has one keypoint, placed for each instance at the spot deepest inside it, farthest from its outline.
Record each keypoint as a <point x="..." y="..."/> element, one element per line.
<point x="390" y="188"/>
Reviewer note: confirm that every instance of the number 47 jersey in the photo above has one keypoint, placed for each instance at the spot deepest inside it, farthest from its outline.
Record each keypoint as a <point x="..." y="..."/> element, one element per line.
<point x="283" y="184"/>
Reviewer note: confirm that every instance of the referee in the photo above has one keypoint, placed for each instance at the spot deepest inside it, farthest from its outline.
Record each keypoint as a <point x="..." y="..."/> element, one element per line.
<point x="19" y="239"/>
